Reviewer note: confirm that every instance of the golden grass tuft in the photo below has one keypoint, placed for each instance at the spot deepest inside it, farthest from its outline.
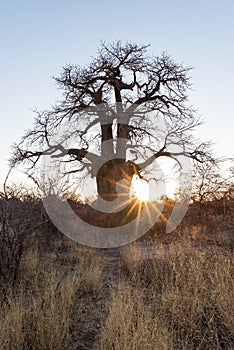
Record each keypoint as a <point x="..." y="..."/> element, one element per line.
<point x="131" y="324"/>
<point x="192" y="294"/>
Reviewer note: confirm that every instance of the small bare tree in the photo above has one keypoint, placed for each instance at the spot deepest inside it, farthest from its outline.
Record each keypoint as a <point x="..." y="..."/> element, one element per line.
<point x="212" y="188"/>
<point x="20" y="215"/>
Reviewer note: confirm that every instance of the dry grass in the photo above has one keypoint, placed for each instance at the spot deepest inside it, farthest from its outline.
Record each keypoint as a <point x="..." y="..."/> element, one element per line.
<point x="131" y="324"/>
<point x="39" y="323"/>
<point x="38" y="313"/>
<point x="192" y="294"/>
<point x="71" y="297"/>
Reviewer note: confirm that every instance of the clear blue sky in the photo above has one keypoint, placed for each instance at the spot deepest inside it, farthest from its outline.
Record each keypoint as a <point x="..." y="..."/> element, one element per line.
<point x="39" y="37"/>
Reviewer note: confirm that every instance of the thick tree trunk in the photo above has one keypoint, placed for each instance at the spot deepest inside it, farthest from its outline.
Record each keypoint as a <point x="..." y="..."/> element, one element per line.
<point x="111" y="173"/>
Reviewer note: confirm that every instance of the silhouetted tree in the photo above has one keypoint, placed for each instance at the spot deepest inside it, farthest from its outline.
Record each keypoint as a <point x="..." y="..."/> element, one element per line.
<point x="130" y="93"/>
<point x="212" y="187"/>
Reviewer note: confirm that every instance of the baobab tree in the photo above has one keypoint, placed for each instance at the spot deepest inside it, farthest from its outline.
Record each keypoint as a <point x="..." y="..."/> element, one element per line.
<point x="117" y="104"/>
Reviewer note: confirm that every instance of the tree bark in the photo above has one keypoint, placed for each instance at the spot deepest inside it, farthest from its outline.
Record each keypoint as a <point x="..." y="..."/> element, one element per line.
<point x="107" y="134"/>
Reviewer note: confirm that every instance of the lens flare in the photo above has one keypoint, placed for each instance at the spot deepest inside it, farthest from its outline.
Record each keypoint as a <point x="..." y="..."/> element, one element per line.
<point x="140" y="188"/>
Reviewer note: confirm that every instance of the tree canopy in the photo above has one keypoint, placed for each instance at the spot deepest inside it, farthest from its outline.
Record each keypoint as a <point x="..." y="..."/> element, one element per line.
<point x="125" y="109"/>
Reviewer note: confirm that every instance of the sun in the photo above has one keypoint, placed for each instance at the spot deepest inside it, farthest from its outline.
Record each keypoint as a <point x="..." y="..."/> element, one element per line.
<point x="140" y="188"/>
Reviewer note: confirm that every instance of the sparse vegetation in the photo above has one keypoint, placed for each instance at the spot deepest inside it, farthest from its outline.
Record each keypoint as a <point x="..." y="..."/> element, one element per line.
<point x="172" y="292"/>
